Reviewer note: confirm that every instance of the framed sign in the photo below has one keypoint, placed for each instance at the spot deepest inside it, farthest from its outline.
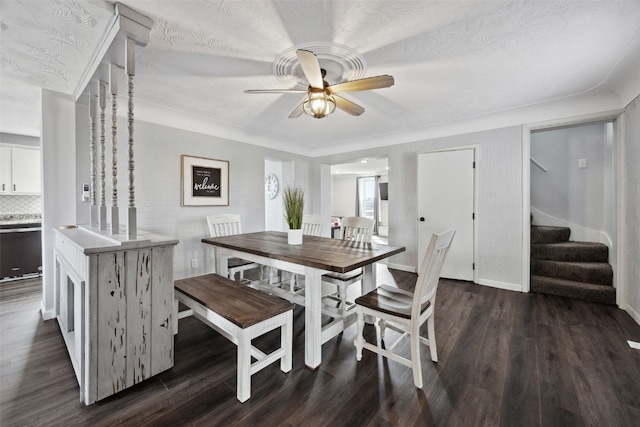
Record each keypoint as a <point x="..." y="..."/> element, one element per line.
<point x="205" y="182"/>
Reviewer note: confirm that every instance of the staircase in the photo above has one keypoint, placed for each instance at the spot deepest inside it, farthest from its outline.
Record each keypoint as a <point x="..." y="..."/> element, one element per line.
<point x="570" y="269"/>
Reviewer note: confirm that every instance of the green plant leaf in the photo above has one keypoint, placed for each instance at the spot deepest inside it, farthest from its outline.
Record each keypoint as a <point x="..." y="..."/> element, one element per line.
<point x="293" y="201"/>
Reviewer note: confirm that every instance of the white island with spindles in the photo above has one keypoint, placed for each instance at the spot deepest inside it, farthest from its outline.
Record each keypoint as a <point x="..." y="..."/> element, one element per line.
<point x="114" y="301"/>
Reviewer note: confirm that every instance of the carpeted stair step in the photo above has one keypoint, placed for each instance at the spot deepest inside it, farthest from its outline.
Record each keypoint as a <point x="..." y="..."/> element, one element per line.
<point x="599" y="273"/>
<point x="547" y="234"/>
<point x="571" y="251"/>
<point x="578" y="290"/>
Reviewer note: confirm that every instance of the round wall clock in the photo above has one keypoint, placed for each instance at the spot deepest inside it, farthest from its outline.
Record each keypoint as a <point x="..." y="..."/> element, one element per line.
<point x="271" y="186"/>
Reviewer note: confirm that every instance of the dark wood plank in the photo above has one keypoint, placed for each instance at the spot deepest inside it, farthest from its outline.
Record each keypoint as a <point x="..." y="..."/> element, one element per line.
<point x="240" y="304"/>
<point x="505" y="359"/>
<point x="317" y="252"/>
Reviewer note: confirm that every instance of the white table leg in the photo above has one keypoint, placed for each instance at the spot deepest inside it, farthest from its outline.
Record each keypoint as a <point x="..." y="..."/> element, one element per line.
<point x="312" y="318"/>
<point x="369" y="278"/>
<point x="221" y="262"/>
<point x="244" y="365"/>
<point x="286" y="342"/>
<point x="369" y="284"/>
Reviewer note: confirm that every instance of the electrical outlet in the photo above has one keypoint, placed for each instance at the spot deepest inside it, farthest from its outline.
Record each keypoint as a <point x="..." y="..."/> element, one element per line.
<point x="194" y="263"/>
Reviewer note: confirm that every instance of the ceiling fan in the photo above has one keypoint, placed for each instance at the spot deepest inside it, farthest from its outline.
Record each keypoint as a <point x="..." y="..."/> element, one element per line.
<point x="321" y="99"/>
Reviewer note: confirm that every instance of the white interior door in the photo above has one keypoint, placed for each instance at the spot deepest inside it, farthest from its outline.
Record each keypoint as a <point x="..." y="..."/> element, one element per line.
<point x="446" y="200"/>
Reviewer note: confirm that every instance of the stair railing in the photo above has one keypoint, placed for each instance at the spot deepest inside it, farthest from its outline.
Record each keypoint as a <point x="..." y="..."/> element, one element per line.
<point x="538" y="164"/>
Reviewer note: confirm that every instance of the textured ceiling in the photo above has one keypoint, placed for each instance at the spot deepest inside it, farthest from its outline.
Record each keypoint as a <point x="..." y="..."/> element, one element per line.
<point x="451" y="60"/>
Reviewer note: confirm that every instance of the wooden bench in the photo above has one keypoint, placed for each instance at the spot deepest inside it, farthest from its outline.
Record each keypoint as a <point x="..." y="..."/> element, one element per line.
<point x="240" y="314"/>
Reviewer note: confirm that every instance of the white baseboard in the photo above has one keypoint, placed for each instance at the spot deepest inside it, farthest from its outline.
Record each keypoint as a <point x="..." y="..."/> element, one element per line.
<point x="485" y="282"/>
<point x="401" y="267"/>
<point x="634" y="314"/>
<point x="46" y="314"/>
<point x="500" y="285"/>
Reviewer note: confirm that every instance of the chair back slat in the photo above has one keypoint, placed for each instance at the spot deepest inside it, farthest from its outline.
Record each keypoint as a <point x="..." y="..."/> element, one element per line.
<point x="312" y="225"/>
<point x="356" y="229"/>
<point x="429" y="274"/>
<point x="224" y="225"/>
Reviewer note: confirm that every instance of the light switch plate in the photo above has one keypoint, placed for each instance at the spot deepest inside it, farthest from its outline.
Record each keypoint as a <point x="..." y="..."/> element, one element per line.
<point x="582" y="163"/>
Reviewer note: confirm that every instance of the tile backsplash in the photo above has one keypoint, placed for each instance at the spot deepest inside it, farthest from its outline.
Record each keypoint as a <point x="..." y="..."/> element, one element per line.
<point x="20" y="204"/>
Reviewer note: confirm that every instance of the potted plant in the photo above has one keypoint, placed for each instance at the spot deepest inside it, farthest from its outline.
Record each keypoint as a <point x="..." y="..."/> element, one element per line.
<point x="293" y="200"/>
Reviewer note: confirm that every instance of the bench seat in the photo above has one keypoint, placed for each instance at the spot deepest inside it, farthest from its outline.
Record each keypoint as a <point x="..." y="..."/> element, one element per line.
<point x="240" y="314"/>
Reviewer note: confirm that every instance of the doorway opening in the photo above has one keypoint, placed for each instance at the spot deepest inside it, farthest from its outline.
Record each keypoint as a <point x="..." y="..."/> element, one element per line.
<point x="573" y="208"/>
<point x="360" y="188"/>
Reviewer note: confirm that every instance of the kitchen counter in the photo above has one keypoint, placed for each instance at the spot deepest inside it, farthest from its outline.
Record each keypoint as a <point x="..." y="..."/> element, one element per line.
<point x="8" y="220"/>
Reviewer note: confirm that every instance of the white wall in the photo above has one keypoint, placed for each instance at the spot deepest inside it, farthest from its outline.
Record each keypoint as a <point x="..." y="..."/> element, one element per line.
<point x="57" y="149"/>
<point x="580" y="196"/>
<point x="158" y="193"/>
<point x="343" y="195"/>
<point x="499" y="216"/>
<point x="631" y="213"/>
<point x="274" y="215"/>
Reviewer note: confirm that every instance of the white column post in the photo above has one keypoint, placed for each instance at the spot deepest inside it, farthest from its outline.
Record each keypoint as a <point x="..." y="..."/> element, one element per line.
<point x="113" y="89"/>
<point x="93" y="113"/>
<point x="130" y="69"/>
<point x="102" y="99"/>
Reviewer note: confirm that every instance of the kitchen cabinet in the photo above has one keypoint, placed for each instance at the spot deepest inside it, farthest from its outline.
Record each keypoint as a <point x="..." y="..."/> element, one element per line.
<point x="20" y="171"/>
<point x="5" y="169"/>
<point x="114" y="305"/>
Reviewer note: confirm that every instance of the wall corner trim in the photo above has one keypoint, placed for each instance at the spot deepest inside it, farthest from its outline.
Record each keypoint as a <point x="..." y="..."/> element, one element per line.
<point x="46" y="314"/>
<point x="401" y="267"/>
<point x="634" y="314"/>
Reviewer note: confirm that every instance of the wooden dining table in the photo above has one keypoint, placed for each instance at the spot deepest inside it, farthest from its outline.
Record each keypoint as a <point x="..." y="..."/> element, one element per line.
<point x="313" y="258"/>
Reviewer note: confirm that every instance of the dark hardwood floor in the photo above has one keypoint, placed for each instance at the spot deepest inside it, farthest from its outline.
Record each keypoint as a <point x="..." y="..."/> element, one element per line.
<point x="506" y="359"/>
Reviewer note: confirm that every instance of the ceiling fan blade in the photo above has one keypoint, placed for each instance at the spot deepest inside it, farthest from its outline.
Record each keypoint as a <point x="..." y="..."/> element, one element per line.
<point x="311" y="68"/>
<point x="348" y="106"/>
<point x="377" y="82"/>
<point x="297" y="112"/>
<point x="275" y="91"/>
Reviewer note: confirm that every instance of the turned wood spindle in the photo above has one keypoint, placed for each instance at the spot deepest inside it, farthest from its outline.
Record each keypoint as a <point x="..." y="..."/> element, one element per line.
<point x="102" y="99"/>
<point x="113" y="89"/>
<point x="93" y="209"/>
<point x="130" y="71"/>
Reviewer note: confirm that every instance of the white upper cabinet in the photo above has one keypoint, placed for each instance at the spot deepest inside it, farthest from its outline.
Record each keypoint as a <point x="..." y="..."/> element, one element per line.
<point x="20" y="171"/>
<point x="5" y="170"/>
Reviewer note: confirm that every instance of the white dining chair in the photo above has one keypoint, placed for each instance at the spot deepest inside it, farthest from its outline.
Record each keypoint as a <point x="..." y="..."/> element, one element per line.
<point x="312" y="224"/>
<point x="226" y="225"/>
<point x="405" y="311"/>
<point x="355" y="230"/>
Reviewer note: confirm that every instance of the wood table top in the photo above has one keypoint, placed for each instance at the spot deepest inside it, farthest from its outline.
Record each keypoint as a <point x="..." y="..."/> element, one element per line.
<point x="318" y="252"/>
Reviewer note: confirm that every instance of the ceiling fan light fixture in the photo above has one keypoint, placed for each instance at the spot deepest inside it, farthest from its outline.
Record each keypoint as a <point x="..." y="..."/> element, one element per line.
<point x="319" y="104"/>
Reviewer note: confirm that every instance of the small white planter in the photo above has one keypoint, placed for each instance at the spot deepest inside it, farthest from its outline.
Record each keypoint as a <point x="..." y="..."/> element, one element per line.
<point x="295" y="237"/>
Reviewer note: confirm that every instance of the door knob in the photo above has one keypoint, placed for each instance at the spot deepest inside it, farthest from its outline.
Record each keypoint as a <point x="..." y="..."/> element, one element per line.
<point x="421" y="219"/>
